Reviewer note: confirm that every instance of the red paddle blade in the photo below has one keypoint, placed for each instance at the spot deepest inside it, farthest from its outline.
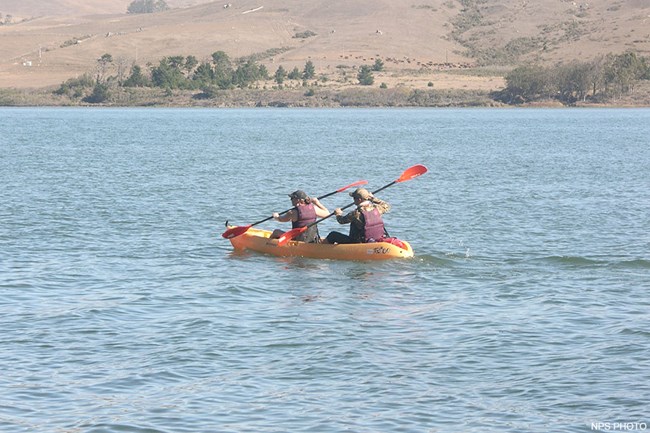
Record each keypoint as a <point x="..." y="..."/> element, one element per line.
<point x="287" y="236"/>
<point x="233" y="232"/>
<point x="358" y="183"/>
<point x="412" y="172"/>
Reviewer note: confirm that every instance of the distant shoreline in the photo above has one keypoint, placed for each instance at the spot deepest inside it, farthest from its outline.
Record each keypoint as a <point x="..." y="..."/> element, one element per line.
<point x="297" y="98"/>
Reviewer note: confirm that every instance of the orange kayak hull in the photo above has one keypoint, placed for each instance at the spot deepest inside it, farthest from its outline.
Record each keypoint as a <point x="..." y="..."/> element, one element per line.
<point x="258" y="240"/>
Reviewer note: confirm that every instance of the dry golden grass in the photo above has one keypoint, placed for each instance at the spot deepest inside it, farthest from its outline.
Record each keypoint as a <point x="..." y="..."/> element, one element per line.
<point x="60" y="39"/>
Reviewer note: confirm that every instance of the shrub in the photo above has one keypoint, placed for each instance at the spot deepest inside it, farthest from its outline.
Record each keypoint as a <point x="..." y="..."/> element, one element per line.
<point x="304" y="35"/>
<point x="75" y="87"/>
<point x="146" y="6"/>
<point x="75" y="40"/>
<point x="208" y="92"/>
<point x="100" y="94"/>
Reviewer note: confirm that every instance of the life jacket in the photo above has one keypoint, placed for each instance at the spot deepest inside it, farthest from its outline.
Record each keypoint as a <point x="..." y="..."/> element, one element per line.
<point x="373" y="229"/>
<point x="306" y="216"/>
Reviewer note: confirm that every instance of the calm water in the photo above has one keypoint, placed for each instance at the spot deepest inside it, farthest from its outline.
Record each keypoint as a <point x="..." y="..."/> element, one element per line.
<point x="526" y="309"/>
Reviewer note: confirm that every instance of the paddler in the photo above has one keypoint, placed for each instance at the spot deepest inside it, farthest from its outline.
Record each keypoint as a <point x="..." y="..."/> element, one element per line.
<point x="366" y="223"/>
<point x="305" y="211"/>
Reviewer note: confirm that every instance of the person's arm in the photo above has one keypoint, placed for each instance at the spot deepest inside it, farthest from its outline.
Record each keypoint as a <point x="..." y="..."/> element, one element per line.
<point x="289" y="216"/>
<point x="344" y="219"/>
<point x="321" y="210"/>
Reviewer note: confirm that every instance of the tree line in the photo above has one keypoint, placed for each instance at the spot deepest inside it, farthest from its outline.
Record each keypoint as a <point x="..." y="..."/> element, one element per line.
<point x="613" y="75"/>
<point x="217" y="73"/>
<point x="595" y="81"/>
<point x="180" y="73"/>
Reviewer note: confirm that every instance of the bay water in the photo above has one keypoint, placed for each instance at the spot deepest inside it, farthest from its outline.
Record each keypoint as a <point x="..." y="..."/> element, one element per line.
<point x="525" y="309"/>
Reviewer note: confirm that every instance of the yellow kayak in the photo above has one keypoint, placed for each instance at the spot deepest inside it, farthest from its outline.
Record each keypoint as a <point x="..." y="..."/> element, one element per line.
<point x="258" y="240"/>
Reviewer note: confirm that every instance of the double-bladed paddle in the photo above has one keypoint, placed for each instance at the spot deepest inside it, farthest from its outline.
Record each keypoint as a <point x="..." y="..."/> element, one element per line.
<point x="235" y="231"/>
<point x="408" y="174"/>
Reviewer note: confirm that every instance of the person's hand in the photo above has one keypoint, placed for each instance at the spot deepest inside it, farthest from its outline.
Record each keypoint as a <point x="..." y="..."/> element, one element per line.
<point x="276" y="215"/>
<point x="338" y="211"/>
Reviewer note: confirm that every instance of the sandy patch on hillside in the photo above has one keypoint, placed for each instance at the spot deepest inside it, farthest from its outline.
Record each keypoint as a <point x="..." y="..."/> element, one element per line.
<point x="442" y="81"/>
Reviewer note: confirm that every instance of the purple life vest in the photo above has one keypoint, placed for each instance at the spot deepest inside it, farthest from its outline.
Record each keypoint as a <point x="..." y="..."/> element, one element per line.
<point x="306" y="216"/>
<point x="373" y="229"/>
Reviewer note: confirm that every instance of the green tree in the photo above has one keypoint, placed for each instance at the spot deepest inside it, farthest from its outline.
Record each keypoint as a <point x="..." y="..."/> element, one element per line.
<point x="223" y="72"/>
<point x="378" y="66"/>
<point x="246" y="74"/>
<point x="365" y="76"/>
<point x="176" y="62"/>
<point x="221" y="60"/>
<point x="526" y="83"/>
<point x="280" y="75"/>
<point x="573" y="81"/>
<point x="204" y="75"/>
<point x="645" y="68"/>
<point x="190" y="63"/>
<point x="597" y="75"/>
<point x="264" y="73"/>
<point x="136" y="79"/>
<point x="102" y="66"/>
<point x="309" y="72"/>
<point x="168" y="74"/>
<point x="623" y="71"/>
<point x="295" y="74"/>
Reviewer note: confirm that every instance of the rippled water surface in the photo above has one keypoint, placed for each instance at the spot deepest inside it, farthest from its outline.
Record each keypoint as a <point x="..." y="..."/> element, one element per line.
<point x="526" y="308"/>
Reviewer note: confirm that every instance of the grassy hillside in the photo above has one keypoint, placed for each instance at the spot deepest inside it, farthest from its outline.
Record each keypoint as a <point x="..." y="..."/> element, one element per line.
<point x="552" y="31"/>
<point x="463" y="44"/>
<point x="22" y="9"/>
